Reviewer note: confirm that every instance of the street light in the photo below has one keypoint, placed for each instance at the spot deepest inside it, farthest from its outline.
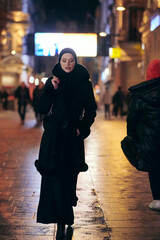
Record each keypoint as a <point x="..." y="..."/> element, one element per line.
<point x="121" y="8"/>
<point x="102" y="34"/>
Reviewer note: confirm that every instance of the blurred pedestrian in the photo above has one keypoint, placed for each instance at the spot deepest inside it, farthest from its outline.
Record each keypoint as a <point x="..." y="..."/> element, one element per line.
<point x="118" y="102"/>
<point x="70" y="95"/>
<point x="22" y="94"/>
<point x="36" y="96"/>
<point x="106" y="100"/>
<point x="4" y="97"/>
<point x="143" y="126"/>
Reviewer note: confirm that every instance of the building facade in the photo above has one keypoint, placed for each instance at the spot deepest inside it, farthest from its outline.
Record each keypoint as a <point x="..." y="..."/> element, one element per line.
<point x="150" y="31"/>
<point x="134" y="31"/>
<point x="14" y="22"/>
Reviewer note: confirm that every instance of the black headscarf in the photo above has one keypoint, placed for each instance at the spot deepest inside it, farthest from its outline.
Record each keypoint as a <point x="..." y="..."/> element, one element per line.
<point x="66" y="94"/>
<point x="59" y="72"/>
<point x="79" y="73"/>
<point x="68" y="50"/>
<point x="66" y="89"/>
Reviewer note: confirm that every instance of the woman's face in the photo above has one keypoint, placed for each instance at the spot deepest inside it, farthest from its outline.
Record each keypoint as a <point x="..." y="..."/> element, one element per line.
<point x="67" y="62"/>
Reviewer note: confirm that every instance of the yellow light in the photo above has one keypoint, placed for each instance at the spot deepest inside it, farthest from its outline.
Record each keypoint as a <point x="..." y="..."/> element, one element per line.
<point x="120" y="8"/>
<point x="115" y="53"/>
<point x="102" y="34"/>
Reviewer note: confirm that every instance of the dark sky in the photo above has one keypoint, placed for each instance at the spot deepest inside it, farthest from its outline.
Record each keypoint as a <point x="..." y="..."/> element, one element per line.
<point x="69" y="10"/>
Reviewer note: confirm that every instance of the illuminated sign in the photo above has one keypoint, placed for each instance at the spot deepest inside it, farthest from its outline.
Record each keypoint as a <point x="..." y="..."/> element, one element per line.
<point x="115" y="52"/>
<point x="155" y="22"/>
<point x="50" y="44"/>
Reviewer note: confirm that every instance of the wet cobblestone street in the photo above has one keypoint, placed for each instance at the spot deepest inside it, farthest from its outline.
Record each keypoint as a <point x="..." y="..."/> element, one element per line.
<point x="113" y="196"/>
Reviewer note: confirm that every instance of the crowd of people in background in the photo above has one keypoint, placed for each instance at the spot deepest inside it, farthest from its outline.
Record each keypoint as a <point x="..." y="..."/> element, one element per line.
<point x="115" y="105"/>
<point x="22" y="96"/>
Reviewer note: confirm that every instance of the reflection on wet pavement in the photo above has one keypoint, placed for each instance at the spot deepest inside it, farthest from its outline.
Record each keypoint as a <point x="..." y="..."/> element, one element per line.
<point x="113" y="196"/>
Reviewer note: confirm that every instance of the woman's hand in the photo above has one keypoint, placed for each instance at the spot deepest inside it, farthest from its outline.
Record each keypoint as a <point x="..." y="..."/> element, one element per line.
<point x="55" y="81"/>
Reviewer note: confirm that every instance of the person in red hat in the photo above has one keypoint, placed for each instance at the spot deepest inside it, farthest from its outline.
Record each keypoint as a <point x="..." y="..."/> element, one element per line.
<point x="143" y="126"/>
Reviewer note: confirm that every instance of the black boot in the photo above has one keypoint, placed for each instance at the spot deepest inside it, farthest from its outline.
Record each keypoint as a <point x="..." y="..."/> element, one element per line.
<point x="60" y="235"/>
<point x="69" y="233"/>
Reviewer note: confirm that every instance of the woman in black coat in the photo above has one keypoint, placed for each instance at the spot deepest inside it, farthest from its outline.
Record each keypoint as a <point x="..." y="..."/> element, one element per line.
<point x="69" y="98"/>
<point x="143" y="125"/>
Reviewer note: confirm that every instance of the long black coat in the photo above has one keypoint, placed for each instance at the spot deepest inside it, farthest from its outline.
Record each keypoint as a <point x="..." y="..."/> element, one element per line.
<point x="143" y="123"/>
<point x="73" y="107"/>
<point x="61" y="155"/>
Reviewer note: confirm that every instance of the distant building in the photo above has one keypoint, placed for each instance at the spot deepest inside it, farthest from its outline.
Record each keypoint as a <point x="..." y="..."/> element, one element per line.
<point x="150" y="31"/>
<point x="134" y="32"/>
<point x="14" y="23"/>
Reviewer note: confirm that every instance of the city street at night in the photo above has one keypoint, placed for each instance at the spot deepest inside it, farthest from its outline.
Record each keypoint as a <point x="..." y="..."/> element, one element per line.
<point x="113" y="196"/>
<point x="71" y="60"/>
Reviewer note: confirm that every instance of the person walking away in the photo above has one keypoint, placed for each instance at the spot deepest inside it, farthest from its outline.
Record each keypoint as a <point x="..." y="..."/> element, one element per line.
<point x="143" y="126"/>
<point x="36" y="96"/>
<point x="118" y="101"/>
<point x="106" y="101"/>
<point x="22" y="94"/>
<point x="4" y="97"/>
<point x="61" y="156"/>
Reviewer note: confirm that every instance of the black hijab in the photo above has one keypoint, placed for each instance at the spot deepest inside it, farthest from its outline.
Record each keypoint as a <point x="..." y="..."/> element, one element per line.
<point x="66" y="94"/>
<point x="68" y="50"/>
<point x="60" y="73"/>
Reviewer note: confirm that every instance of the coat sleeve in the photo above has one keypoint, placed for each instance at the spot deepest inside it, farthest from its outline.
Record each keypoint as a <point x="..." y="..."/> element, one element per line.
<point x="47" y="98"/>
<point x="133" y="115"/>
<point x="89" y="111"/>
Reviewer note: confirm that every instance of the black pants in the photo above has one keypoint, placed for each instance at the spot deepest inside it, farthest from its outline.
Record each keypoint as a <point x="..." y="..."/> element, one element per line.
<point x="22" y="111"/>
<point x="116" y="109"/>
<point x="154" y="179"/>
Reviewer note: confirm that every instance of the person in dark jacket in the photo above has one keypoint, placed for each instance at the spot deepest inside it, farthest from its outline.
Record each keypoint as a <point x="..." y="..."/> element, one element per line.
<point x="36" y="95"/>
<point x="22" y="94"/>
<point x="69" y="96"/>
<point x="4" y="98"/>
<point x="143" y="125"/>
<point x="118" y="102"/>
